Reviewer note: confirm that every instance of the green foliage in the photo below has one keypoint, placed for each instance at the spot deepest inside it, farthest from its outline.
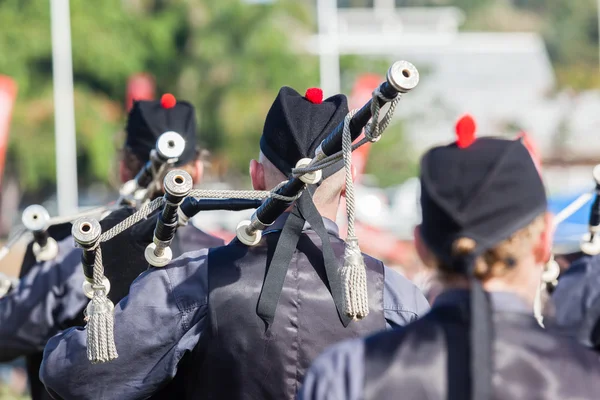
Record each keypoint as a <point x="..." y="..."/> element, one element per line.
<point x="392" y="159"/>
<point x="228" y="58"/>
<point x="108" y="46"/>
<point x="7" y="394"/>
<point x="569" y="28"/>
<point x="238" y="56"/>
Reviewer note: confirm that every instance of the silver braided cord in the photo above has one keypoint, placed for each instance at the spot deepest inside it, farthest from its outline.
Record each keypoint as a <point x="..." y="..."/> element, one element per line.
<point x="16" y="236"/>
<point x="241" y="194"/>
<point x="226" y="194"/>
<point x="86" y="213"/>
<point x="100" y="310"/>
<point x="133" y="219"/>
<point x="21" y="231"/>
<point x="354" y="274"/>
<point x="375" y="128"/>
<point x="100" y="318"/>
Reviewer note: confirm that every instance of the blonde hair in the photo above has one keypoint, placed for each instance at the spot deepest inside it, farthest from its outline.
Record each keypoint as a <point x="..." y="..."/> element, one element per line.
<point x="499" y="260"/>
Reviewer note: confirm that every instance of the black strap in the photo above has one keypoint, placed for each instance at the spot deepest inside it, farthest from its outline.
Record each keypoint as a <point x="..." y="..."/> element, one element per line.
<point x="277" y="270"/>
<point x="313" y="217"/>
<point x="304" y="210"/>
<point x="481" y="343"/>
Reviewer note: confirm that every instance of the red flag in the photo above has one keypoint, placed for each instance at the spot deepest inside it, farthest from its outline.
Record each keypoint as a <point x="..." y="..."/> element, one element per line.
<point x="533" y="150"/>
<point x="139" y="87"/>
<point x="8" y="95"/>
<point x="361" y="93"/>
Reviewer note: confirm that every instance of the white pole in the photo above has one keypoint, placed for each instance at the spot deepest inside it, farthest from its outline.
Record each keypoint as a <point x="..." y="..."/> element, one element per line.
<point x="64" y="113"/>
<point x="598" y="11"/>
<point x="329" y="57"/>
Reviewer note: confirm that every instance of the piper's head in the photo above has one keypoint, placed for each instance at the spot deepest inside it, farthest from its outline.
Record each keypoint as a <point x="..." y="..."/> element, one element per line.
<point x="484" y="210"/>
<point x="294" y="128"/>
<point x="147" y="121"/>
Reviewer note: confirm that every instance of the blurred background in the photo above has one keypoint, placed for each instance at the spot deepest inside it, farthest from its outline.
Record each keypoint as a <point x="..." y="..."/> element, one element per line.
<point x="517" y="66"/>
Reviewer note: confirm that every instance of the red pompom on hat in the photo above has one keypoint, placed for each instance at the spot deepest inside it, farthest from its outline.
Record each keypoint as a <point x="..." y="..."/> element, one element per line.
<point x="168" y="100"/>
<point x="314" y="95"/>
<point x="465" y="131"/>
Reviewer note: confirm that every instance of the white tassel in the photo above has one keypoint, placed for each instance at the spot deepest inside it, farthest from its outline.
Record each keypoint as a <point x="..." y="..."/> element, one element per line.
<point x="354" y="281"/>
<point x="100" y="317"/>
<point x="100" y="329"/>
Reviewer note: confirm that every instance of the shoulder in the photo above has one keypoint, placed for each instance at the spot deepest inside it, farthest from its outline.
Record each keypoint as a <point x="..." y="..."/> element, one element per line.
<point x="65" y="265"/>
<point x="402" y="295"/>
<point x="419" y="332"/>
<point x="577" y="290"/>
<point x="562" y="354"/>
<point x="581" y="270"/>
<point x="187" y="278"/>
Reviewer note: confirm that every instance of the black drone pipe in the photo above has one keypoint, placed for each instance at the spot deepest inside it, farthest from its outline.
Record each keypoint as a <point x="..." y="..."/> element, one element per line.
<point x="178" y="184"/>
<point x="590" y="243"/>
<point x="192" y="206"/>
<point x="401" y="78"/>
<point x="86" y="233"/>
<point x="169" y="147"/>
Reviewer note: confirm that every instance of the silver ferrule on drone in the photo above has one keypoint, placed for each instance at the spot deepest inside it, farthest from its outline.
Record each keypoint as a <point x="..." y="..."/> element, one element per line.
<point x="86" y="232"/>
<point x="590" y="243"/>
<point x="36" y="219"/>
<point x="169" y="147"/>
<point x="178" y="185"/>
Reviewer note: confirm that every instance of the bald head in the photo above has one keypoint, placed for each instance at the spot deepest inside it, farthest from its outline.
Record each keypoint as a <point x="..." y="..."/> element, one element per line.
<point x="265" y="176"/>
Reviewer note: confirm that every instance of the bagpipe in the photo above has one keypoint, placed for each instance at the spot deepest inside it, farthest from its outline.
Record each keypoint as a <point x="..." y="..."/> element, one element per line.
<point x="401" y="78"/>
<point x="588" y="332"/>
<point x="169" y="147"/>
<point x="46" y="231"/>
<point x="588" y="245"/>
<point x="180" y="203"/>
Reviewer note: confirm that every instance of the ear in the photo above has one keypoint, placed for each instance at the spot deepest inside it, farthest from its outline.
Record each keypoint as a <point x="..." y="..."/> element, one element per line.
<point x="257" y="175"/>
<point x="124" y="173"/>
<point x="354" y="173"/>
<point x="543" y="250"/>
<point x="420" y="246"/>
<point x="198" y="171"/>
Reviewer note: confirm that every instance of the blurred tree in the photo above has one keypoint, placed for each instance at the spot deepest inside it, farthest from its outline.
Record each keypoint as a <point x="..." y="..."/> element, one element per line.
<point x="227" y="57"/>
<point x="235" y="59"/>
<point x="355" y="3"/>
<point x="393" y="160"/>
<point x="108" y="45"/>
<point x="569" y="28"/>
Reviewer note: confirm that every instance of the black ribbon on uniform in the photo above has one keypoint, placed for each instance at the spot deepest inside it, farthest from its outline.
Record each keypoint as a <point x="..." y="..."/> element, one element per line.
<point x="481" y="331"/>
<point x="481" y="342"/>
<point x="304" y="211"/>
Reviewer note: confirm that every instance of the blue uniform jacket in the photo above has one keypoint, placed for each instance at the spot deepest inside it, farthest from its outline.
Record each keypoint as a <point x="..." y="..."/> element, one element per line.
<point x="163" y="318"/>
<point x="530" y="362"/>
<point x="577" y="291"/>
<point x="48" y="298"/>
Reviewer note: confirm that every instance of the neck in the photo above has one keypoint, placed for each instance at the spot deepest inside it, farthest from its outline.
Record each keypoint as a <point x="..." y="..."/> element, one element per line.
<point x="521" y="281"/>
<point x="326" y="212"/>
